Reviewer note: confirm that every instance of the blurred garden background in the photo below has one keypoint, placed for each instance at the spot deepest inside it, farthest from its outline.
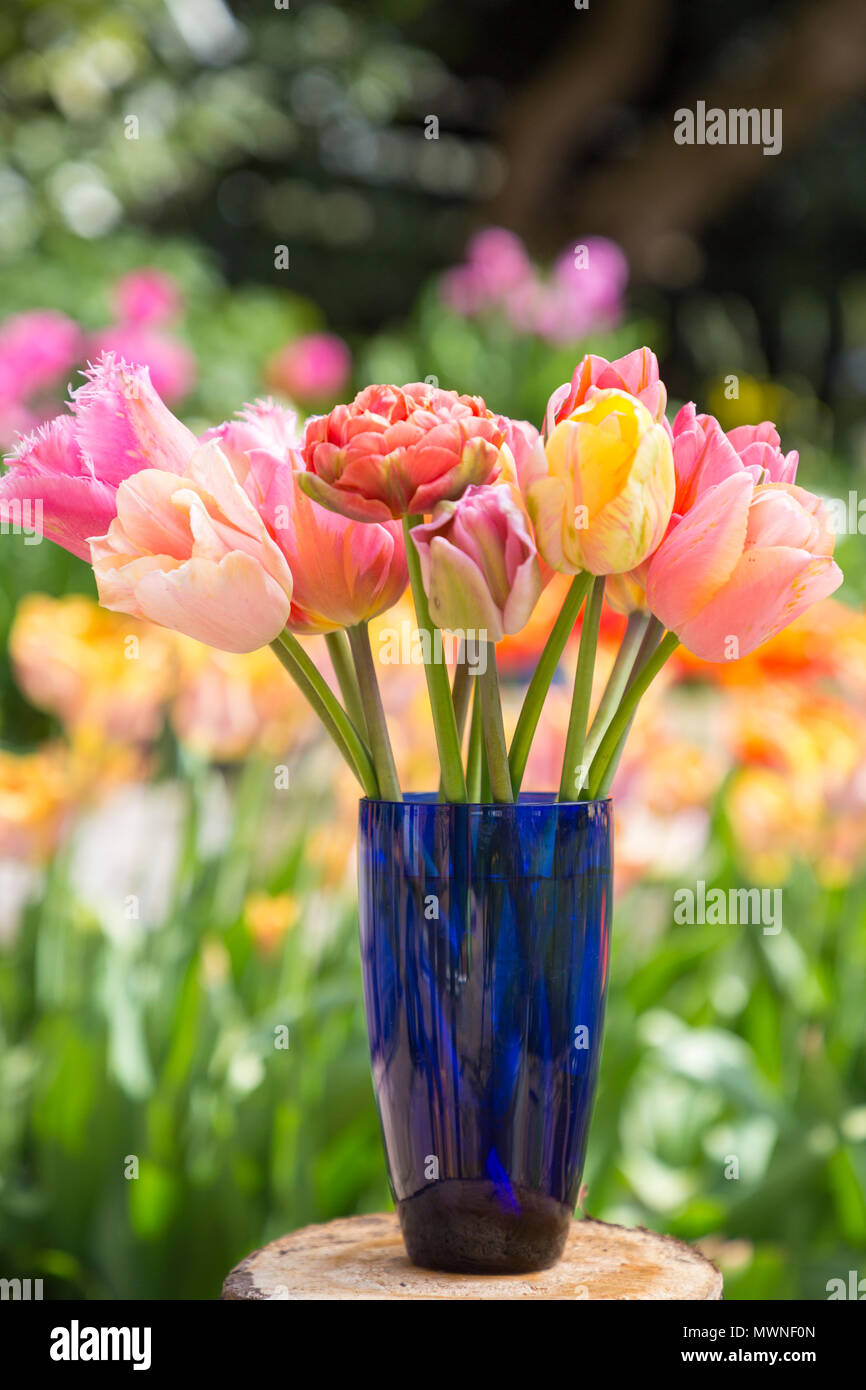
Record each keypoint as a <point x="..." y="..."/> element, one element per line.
<point x="295" y="200"/>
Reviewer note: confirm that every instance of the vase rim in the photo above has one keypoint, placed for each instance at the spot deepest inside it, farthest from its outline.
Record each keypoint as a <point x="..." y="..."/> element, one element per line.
<point x="523" y="799"/>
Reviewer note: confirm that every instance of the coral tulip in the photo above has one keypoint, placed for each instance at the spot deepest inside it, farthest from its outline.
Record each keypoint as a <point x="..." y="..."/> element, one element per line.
<point x="345" y="572"/>
<point x="399" y="450"/>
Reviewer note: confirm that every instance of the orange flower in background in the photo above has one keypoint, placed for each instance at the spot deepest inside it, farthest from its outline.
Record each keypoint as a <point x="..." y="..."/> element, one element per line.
<point x="269" y="918"/>
<point x="91" y="668"/>
<point x="40" y="792"/>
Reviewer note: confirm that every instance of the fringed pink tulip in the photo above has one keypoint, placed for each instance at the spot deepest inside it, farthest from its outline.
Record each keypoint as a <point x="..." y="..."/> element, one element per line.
<point x="399" y="450"/>
<point x="743" y="563"/>
<point x="479" y="564"/>
<point x="345" y="572"/>
<point x="605" y="501"/>
<point x="637" y="374"/>
<point x="193" y="554"/>
<point x="72" y="467"/>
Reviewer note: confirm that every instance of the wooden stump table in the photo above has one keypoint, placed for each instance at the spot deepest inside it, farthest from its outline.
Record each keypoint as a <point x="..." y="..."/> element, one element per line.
<point x="363" y="1257"/>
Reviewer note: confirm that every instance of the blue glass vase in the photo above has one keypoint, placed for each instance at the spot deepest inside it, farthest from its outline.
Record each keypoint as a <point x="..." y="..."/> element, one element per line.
<point x="484" y="948"/>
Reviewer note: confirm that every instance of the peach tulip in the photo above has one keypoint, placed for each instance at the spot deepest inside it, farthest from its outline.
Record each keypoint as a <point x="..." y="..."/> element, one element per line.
<point x="742" y="563"/>
<point x="193" y="554"/>
<point x="399" y="450"/>
<point x="606" y="499"/>
<point x="345" y="572"/>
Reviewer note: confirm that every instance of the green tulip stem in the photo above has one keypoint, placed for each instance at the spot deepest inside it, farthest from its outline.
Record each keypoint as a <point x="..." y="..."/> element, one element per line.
<point x="627" y="658"/>
<point x="453" y="783"/>
<point x="374" y="714"/>
<point x="319" y="695"/>
<point x="344" y="670"/>
<point x="601" y="772"/>
<point x="536" y="694"/>
<point x="494" y="733"/>
<point x="475" y="750"/>
<point x="574" y="771"/>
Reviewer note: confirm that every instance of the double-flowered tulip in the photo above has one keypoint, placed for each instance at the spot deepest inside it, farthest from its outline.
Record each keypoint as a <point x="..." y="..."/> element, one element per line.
<point x="605" y="500"/>
<point x="479" y="564"/>
<point x="73" y="466"/>
<point x="747" y="559"/>
<point x="191" y="552"/>
<point x="397" y="451"/>
<point x="345" y="572"/>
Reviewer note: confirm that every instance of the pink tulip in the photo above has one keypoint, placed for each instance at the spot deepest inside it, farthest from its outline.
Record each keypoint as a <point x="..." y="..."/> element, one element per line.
<point x="345" y="572"/>
<point x="479" y="564"/>
<point x="313" y="368"/>
<point x="743" y="563"/>
<point x="147" y="296"/>
<point x="637" y="373"/>
<point x="73" y="466"/>
<point x="193" y="554"/>
<point x="703" y="457"/>
<point x="398" y="450"/>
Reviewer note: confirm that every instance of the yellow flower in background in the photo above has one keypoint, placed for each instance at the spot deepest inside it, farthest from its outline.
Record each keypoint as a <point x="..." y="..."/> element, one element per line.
<point x="268" y="918"/>
<point x="37" y="796"/>
<point x="91" y="668"/>
<point x="755" y="400"/>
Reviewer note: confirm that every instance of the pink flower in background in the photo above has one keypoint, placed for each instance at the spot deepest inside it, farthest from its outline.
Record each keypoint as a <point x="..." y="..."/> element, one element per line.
<point x="313" y="368"/>
<point x="143" y="300"/>
<point x="36" y="350"/>
<point x="192" y="553"/>
<point x="496" y="264"/>
<point x="585" y="289"/>
<point x="147" y="296"/>
<point x="399" y="450"/>
<point x="345" y="572"/>
<point x="743" y="563"/>
<point x="637" y="374"/>
<point x="479" y="563"/>
<point x="73" y="466"/>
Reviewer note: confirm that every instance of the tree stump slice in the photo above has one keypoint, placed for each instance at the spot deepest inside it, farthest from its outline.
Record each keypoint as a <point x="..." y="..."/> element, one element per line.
<point x="362" y="1257"/>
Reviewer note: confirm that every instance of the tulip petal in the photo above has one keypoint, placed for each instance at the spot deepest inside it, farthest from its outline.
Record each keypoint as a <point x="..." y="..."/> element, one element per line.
<point x="700" y="554"/>
<point x="233" y="604"/>
<point x="768" y="589"/>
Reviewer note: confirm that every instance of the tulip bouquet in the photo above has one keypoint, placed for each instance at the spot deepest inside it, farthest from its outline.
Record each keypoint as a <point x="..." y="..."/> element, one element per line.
<point x="259" y="531"/>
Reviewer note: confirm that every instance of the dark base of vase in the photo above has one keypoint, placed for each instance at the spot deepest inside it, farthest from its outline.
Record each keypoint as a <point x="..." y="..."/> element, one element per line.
<point x="462" y="1227"/>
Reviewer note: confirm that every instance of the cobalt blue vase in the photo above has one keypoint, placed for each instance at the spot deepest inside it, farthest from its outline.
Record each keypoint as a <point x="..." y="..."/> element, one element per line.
<point x="484" y="948"/>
